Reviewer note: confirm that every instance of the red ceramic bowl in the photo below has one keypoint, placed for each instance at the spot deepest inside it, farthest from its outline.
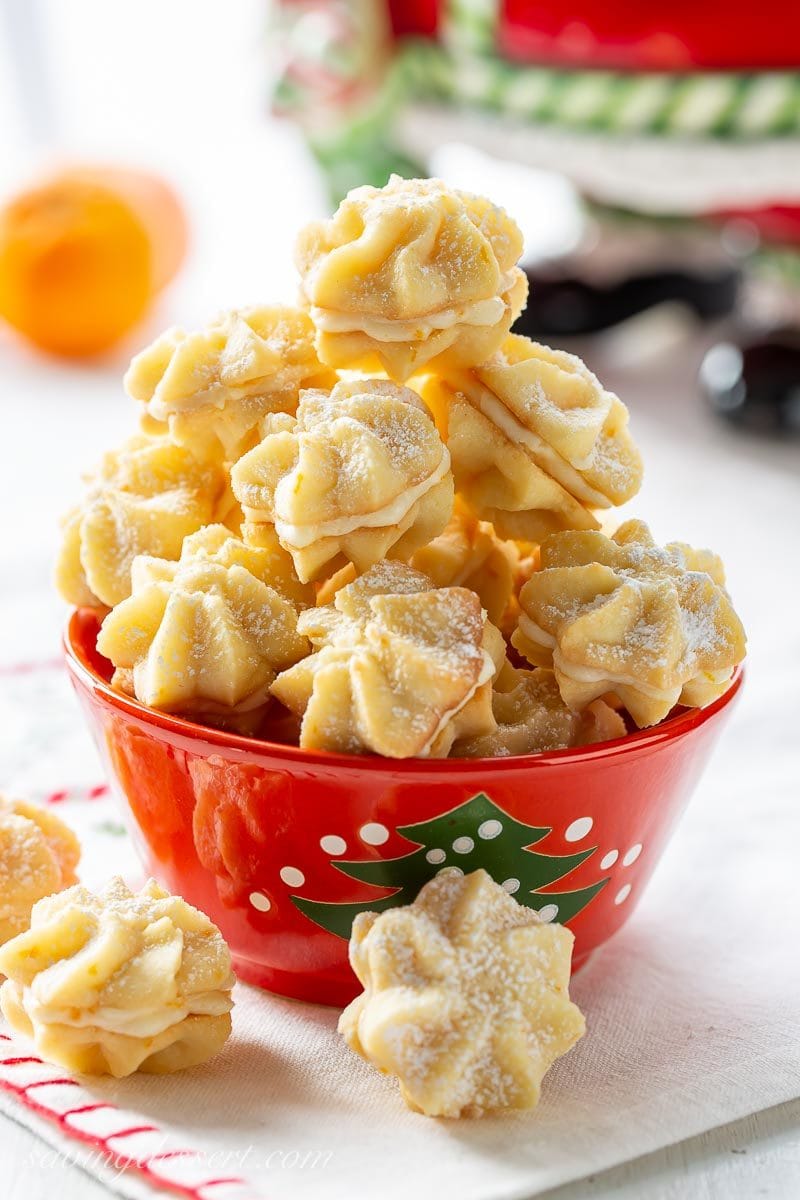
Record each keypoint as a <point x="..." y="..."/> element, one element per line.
<point x="282" y="846"/>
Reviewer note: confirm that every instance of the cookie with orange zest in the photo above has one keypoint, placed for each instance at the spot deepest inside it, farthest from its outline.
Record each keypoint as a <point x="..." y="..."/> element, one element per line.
<point x="120" y="982"/>
<point x="467" y="553"/>
<point x="400" y="668"/>
<point x="411" y="274"/>
<point x="38" y="856"/>
<point x="212" y="387"/>
<point x="145" y="498"/>
<point x="653" y="625"/>
<point x="532" y="717"/>
<point x="360" y="474"/>
<point x="261" y="555"/>
<point x="533" y="432"/>
<point x="466" y="997"/>
<point x="205" y="635"/>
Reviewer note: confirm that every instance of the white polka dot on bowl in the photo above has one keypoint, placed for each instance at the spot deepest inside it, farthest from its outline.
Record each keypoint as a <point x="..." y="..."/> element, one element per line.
<point x="292" y="877"/>
<point x="373" y="834"/>
<point x="548" y="912"/>
<point x="579" y="829"/>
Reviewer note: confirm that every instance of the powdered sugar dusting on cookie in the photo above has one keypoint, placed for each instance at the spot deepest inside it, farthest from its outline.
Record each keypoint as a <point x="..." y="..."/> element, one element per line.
<point x="465" y="997"/>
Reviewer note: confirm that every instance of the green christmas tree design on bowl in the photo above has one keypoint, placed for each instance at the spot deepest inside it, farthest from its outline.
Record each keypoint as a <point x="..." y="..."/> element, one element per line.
<point x="282" y="847"/>
<point x="476" y="834"/>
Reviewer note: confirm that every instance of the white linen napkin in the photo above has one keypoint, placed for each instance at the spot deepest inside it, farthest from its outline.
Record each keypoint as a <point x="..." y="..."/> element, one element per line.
<point x="692" y="1011"/>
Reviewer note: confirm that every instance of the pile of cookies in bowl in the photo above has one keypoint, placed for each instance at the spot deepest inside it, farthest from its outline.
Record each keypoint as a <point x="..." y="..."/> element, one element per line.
<point x="368" y="536"/>
<point x="370" y="524"/>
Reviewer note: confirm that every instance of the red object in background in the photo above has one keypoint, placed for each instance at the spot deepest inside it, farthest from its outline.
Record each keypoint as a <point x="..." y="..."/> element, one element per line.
<point x="778" y="224"/>
<point x="420" y="17"/>
<point x="631" y="35"/>
<point x="239" y="827"/>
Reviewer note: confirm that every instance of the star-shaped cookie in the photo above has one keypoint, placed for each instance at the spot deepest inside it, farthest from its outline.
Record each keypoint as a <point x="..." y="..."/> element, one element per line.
<point x="465" y="997"/>
<point x="653" y="625"/>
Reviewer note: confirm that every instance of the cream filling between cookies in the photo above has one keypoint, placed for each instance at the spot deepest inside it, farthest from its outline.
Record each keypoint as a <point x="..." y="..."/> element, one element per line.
<point x="140" y="1023"/>
<point x="216" y="400"/>
<point x="254" y="700"/>
<point x="146" y="688"/>
<point x="598" y="675"/>
<point x="589" y="674"/>
<point x="486" y="673"/>
<point x="213" y="396"/>
<point x="543" y="455"/>
<point x="583" y="674"/>
<point x="482" y="313"/>
<point x="300" y="536"/>
<point x="535" y="632"/>
<point x="722" y="675"/>
<point x="704" y="686"/>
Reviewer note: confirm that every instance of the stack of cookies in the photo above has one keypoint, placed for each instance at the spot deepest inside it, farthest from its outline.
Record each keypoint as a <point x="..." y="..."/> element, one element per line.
<point x="372" y="523"/>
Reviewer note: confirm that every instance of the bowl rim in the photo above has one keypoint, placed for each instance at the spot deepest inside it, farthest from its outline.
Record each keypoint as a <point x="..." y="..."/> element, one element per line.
<point x="678" y="726"/>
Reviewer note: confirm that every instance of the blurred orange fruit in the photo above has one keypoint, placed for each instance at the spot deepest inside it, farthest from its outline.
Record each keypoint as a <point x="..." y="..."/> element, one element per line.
<point x="83" y="255"/>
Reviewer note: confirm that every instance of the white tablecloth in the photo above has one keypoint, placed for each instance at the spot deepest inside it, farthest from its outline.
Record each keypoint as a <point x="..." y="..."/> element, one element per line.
<point x="693" y="1011"/>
